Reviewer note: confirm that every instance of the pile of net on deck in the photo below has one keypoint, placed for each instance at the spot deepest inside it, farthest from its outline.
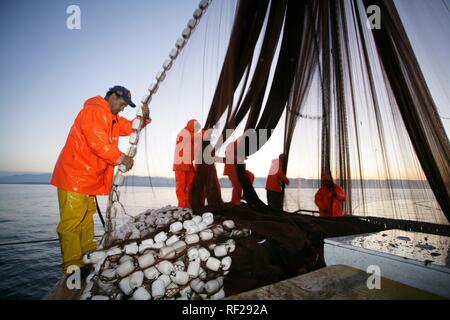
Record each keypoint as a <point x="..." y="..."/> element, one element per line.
<point x="170" y="253"/>
<point x="162" y="254"/>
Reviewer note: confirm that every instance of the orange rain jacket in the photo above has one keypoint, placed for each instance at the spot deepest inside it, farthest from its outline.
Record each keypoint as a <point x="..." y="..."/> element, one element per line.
<point x="184" y="152"/>
<point x="86" y="163"/>
<point x="231" y="159"/>
<point x="276" y="177"/>
<point x="230" y="170"/>
<point x="325" y="201"/>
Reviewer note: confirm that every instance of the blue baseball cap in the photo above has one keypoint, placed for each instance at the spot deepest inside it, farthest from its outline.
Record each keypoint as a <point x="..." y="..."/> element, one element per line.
<point x="123" y="93"/>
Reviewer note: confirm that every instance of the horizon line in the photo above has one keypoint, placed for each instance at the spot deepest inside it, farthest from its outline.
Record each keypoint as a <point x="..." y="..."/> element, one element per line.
<point x="17" y="173"/>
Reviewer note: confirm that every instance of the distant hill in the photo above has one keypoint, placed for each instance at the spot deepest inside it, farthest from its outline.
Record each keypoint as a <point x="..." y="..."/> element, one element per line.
<point x="29" y="178"/>
<point x="12" y="173"/>
<point x="44" y="178"/>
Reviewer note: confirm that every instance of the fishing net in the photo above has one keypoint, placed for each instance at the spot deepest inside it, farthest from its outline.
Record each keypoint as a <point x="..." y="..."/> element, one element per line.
<point x="376" y="125"/>
<point x="355" y="103"/>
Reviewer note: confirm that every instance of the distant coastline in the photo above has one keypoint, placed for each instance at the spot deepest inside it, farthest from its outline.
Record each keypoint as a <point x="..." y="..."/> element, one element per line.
<point x="139" y="181"/>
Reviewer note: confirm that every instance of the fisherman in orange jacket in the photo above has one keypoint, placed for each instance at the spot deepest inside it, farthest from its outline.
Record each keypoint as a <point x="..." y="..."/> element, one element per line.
<point x="329" y="197"/>
<point x="183" y="164"/>
<point x="275" y="181"/>
<point x="85" y="168"/>
<point x="232" y="158"/>
<point x="230" y="171"/>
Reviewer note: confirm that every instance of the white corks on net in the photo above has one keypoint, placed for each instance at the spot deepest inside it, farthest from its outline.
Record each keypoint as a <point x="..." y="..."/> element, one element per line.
<point x="167" y="253"/>
<point x="143" y="225"/>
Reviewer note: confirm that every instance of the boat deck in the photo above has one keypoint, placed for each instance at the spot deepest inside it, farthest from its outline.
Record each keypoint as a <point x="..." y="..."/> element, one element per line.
<point x="412" y="266"/>
<point x="417" y="259"/>
<point x="60" y="292"/>
<point x="336" y="282"/>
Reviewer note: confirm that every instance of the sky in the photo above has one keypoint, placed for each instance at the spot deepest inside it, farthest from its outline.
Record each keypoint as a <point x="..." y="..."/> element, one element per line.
<point x="48" y="71"/>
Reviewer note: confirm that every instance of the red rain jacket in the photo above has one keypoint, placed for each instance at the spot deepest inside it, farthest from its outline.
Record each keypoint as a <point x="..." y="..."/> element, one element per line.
<point x="325" y="201"/>
<point x="184" y="151"/>
<point x="231" y="159"/>
<point x="276" y="177"/>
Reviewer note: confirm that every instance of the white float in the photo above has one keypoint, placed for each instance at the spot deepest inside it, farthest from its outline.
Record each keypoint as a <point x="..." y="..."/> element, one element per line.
<point x="151" y="273"/>
<point x="132" y="248"/>
<point x="146" y="260"/>
<point x="206" y="235"/>
<point x="167" y="253"/>
<point x="212" y="286"/>
<point x="192" y="238"/>
<point x="141" y="294"/>
<point x="160" y="237"/>
<point x="158" y="289"/>
<point x="220" y="251"/>
<point x="196" y="219"/>
<point x="125" y="268"/>
<point x="192" y="253"/>
<point x="172" y="240"/>
<point x="228" y="224"/>
<point x="165" y="267"/>
<point x="213" y="264"/>
<point x="193" y="269"/>
<point x="204" y="254"/>
<point x="176" y="227"/>
<point x="197" y="285"/>
<point x="136" y="279"/>
<point x="166" y="279"/>
<point x="179" y="277"/>
<point x="179" y="246"/>
<point x="226" y="263"/>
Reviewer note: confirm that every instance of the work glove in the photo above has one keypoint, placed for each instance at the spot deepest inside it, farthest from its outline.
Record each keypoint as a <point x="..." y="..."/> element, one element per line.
<point x="146" y="111"/>
<point x="128" y="162"/>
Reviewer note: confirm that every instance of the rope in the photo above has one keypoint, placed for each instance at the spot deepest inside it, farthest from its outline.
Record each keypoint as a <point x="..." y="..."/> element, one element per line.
<point x="119" y="178"/>
<point x="304" y="210"/>
<point x="304" y="116"/>
<point x="99" y="213"/>
<point x="34" y="241"/>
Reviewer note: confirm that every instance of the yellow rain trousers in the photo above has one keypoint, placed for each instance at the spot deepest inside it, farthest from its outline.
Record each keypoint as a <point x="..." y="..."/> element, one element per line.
<point x="76" y="227"/>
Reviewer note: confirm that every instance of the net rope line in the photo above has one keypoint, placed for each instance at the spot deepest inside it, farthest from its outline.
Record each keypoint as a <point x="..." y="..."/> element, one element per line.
<point x="119" y="178"/>
<point x="4" y="244"/>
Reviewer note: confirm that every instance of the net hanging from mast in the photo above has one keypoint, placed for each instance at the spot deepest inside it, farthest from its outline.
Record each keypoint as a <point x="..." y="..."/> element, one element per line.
<point x="379" y="125"/>
<point x="352" y="102"/>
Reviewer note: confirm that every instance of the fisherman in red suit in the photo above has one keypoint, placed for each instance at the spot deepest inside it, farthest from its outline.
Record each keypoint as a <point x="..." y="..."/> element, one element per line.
<point x="329" y="197"/>
<point x="184" y="162"/>
<point x="276" y="180"/>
